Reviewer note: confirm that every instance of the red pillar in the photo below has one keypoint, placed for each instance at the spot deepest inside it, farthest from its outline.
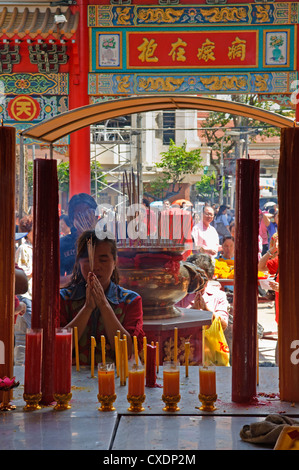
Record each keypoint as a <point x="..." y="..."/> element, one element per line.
<point x="78" y="96"/>
<point x="246" y="287"/>
<point x="45" y="285"/>
<point x="297" y="61"/>
<point x="288" y="233"/>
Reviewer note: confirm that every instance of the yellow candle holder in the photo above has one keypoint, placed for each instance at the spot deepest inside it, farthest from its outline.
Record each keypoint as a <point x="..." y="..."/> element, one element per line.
<point x="106" y="402"/>
<point x="207" y="402"/>
<point x="171" y="402"/>
<point x="136" y="403"/>
<point x="32" y="401"/>
<point x="62" y="400"/>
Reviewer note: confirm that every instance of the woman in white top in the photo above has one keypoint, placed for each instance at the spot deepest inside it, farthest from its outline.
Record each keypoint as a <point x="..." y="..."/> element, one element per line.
<point x="205" y="237"/>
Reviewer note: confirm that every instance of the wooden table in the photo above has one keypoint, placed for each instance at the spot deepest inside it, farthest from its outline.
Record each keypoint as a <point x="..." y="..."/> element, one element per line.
<point x="83" y="427"/>
<point x="189" y="325"/>
<point x="225" y="282"/>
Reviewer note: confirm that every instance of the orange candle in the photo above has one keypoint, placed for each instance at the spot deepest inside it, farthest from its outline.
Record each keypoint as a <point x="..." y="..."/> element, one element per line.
<point x="187" y="353"/>
<point x="171" y="380"/>
<point x="144" y="350"/>
<point x="76" y="347"/>
<point x="92" y="353"/>
<point x="116" y="342"/>
<point x="136" y="381"/>
<point x="122" y="364"/>
<point x="207" y="381"/>
<point x="126" y="355"/>
<point x="157" y="356"/>
<point x="106" y="379"/>
<point x="135" y="349"/>
<point x="175" y="354"/>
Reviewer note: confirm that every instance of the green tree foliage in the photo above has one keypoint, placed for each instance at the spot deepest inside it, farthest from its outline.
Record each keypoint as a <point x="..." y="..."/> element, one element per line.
<point x="206" y="187"/>
<point x="63" y="175"/>
<point x="216" y="124"/>
<point x="175" y="164"/>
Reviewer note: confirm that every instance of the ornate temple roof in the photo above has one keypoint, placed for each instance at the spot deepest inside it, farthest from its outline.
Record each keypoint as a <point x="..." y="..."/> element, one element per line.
<point x="36" y="24"/>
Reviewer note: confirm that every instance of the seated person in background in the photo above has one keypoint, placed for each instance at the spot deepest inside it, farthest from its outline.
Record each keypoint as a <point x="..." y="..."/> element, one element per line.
<point x="24" y="260"/>
<point x="232" y="228"/>
<point x="228" y="248"/>
<point x="211" y="297"/>
<point x="271" y="222"/>
<point x="21" y="287"/>
<point x="270" y="262"/>
<point x="96" y="304"/>
<point x="20" y="309"/>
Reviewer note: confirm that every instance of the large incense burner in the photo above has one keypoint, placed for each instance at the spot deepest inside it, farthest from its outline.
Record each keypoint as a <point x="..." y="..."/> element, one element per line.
<point x="153" y="264"/>
<point x="160" y="276"/>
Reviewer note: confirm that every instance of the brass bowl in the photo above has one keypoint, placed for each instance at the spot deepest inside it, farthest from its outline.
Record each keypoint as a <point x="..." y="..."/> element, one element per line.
<point x="160" y="286"/>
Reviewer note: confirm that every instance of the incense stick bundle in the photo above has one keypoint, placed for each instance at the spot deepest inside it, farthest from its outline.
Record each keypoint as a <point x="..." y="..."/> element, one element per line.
<point x="91" y="250"/>
<point x="87" y="222"/>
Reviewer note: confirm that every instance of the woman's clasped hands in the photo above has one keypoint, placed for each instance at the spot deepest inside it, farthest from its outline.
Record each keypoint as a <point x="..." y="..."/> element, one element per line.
<point x="95" y="295"/>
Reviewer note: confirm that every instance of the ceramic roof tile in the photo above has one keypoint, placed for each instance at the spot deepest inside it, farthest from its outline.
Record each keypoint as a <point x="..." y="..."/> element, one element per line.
<point x="34" y="23"/>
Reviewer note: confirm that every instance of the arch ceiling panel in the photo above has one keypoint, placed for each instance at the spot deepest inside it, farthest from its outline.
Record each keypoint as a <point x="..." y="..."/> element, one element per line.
<point x="58" y="127"/>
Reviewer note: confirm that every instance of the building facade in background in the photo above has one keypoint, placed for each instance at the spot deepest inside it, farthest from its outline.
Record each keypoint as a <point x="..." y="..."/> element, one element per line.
<point x="56" y="56"/>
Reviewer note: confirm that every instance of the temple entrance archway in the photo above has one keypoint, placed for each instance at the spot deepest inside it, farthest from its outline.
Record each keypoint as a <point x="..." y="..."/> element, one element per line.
<point x="54" y="129"/>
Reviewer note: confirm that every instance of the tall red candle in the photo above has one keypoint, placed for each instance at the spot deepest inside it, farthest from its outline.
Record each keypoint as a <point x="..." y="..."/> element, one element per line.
<point x="288" y="234"/>
<point x="246" y="281"/>
<point x="63" y="360"/>
<point x="33" y="362"/>
<point x="7" y="249"/>
<point x="46" y="259"/>
<point x="150" y="366"/>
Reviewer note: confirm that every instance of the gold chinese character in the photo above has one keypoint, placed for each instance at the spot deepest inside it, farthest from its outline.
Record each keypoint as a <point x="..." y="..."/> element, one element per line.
<point x="237" y="49"/>
<point x="147" y="49"/>
<point x="178" y="52"/>
<point x="23" y="107"/>
<point x="207" y="51"/>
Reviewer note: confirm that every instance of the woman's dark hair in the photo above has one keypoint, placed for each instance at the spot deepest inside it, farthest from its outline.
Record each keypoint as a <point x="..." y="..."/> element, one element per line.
<point x="82" y="252"/>
<point x="145" y="202"/>
<point x="221" y="210"/>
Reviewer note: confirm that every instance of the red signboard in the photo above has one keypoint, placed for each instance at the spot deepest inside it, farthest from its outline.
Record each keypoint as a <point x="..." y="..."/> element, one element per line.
<point x="204" y="49"/>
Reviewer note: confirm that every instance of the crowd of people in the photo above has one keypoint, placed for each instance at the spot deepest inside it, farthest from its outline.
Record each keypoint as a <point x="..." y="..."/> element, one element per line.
<point x="92" y="299"/>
